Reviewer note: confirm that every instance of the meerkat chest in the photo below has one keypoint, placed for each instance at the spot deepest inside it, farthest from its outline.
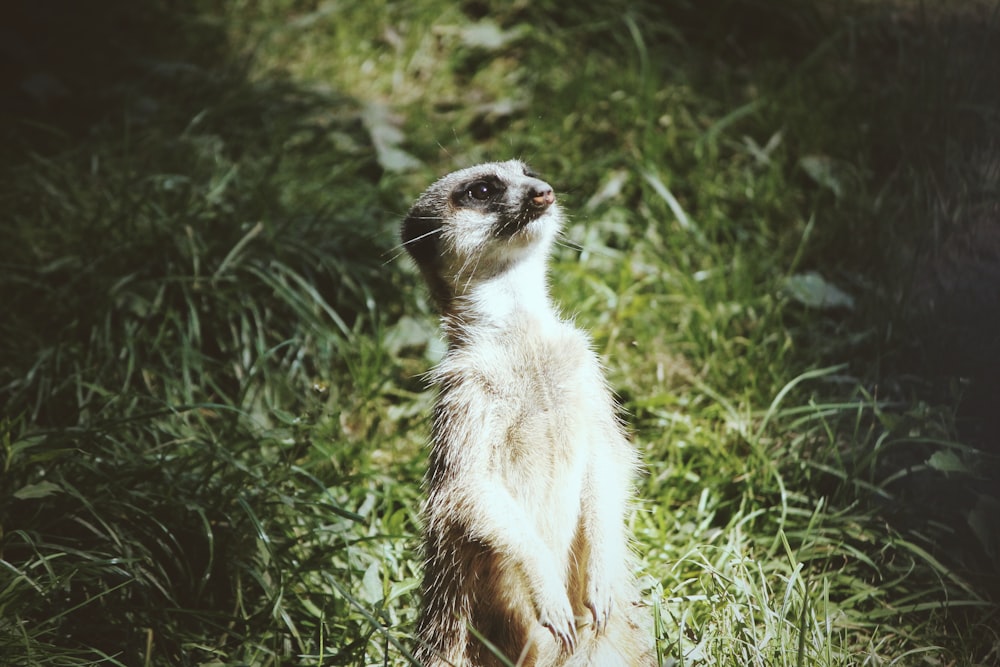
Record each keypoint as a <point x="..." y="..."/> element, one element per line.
<point x="545" y="400"/>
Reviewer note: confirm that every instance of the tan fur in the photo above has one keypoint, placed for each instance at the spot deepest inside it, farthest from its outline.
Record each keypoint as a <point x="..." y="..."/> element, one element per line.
<point x="530" y="472"/>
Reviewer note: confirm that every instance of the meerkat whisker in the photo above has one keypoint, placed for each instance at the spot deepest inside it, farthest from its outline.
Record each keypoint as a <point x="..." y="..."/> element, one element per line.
<point x="567" y="243"/>
<point x="418" y="238"/>
<point x="400" y="249"/>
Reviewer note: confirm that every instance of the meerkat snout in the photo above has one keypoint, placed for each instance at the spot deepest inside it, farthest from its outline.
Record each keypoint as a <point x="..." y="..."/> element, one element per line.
<point x="528" y="200"/>
<point x="543" y="196"/>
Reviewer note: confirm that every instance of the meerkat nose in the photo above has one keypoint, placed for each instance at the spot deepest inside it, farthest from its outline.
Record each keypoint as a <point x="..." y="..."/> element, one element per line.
<point x="542" y="197"/>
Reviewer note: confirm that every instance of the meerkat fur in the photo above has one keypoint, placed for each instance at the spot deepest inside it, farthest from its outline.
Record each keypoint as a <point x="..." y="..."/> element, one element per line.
<point x="530" y="474"/>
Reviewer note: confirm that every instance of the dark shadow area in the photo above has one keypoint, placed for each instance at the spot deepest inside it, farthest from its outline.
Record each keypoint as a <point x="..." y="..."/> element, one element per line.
<point x="921" y="86"/>
<point x="947" y="149"/>
<point x="152" y="216"/>
<point x="132" y="143"/>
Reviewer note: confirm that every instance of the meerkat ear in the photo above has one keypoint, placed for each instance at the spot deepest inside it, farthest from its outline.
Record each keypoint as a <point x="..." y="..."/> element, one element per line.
<point x="421" y="236"/>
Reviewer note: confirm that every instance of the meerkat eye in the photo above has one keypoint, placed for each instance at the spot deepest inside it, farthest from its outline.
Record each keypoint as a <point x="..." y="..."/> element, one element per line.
<point x="482" y="190"/>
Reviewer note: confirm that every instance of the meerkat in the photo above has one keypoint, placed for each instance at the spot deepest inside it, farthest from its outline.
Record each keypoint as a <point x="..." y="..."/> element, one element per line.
<point x="530" y="474"/>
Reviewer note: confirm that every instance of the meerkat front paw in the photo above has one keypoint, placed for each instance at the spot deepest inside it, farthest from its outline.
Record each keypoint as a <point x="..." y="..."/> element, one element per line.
<point x="556" y="615"/>
<point x="600" y="602"/>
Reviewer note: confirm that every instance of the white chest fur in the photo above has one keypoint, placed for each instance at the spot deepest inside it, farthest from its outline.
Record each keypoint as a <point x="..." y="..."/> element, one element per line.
<point x="537" y="388"/>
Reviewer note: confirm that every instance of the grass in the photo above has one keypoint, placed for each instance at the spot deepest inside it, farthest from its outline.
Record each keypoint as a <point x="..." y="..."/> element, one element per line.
<point x="213" y="413"/>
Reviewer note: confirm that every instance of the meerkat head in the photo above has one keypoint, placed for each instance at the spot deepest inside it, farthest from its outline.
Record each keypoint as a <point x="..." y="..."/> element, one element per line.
<point x="477" y="223"/>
